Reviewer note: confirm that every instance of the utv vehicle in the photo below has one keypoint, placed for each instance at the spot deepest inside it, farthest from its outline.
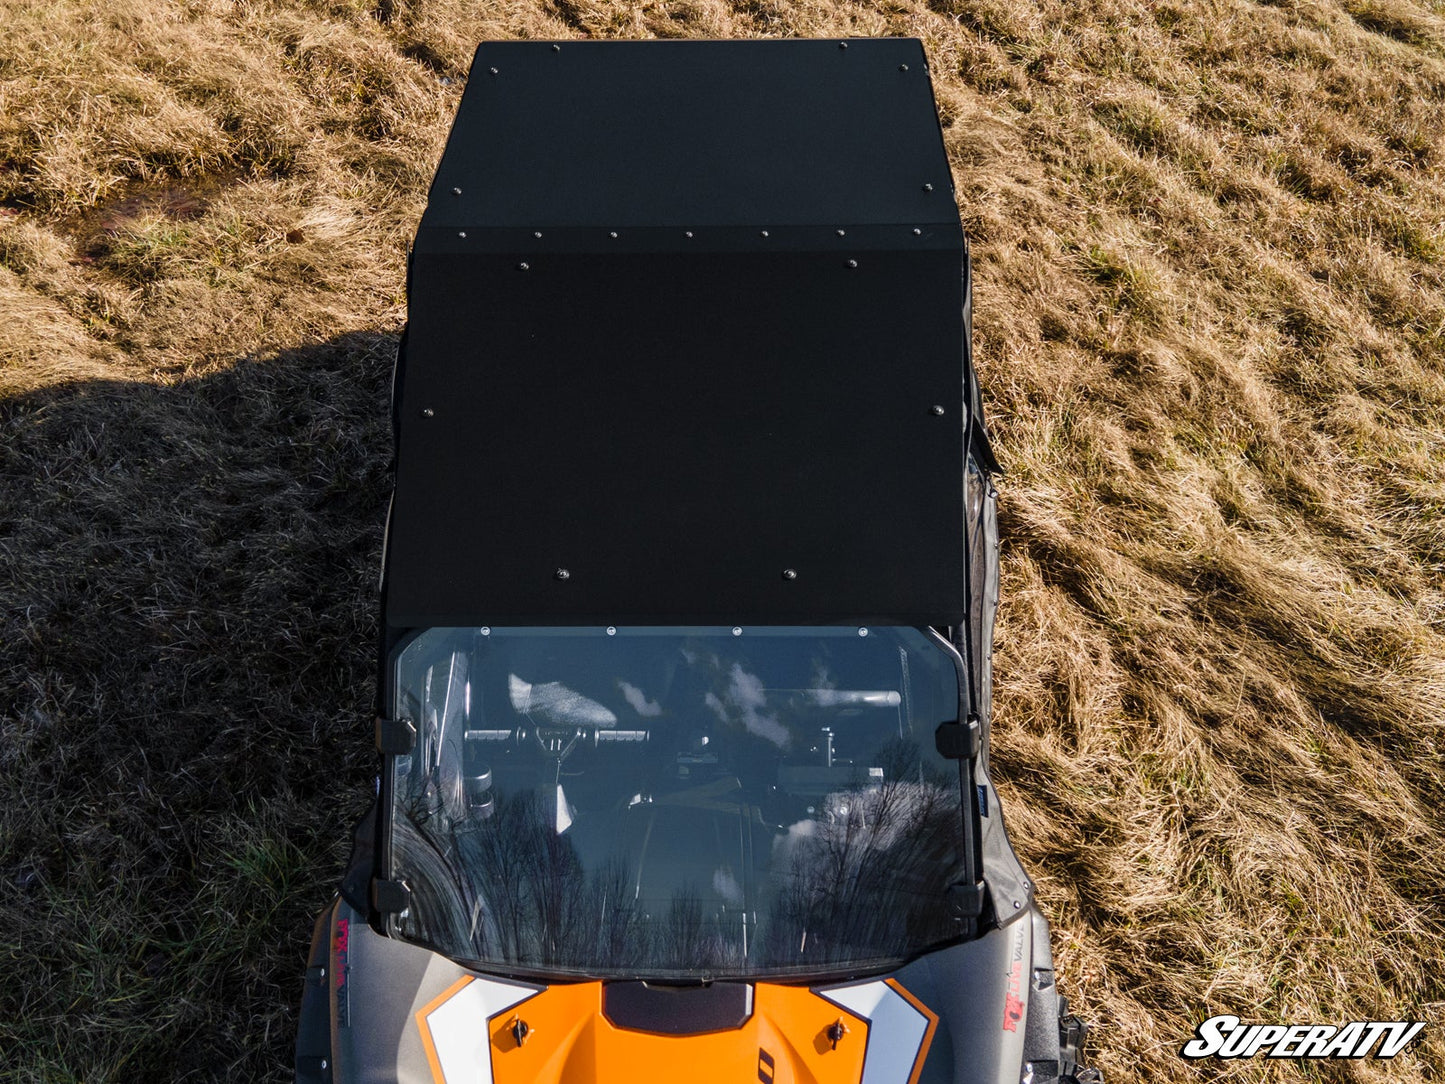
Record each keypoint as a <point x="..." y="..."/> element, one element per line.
<point x="687" y="601"/>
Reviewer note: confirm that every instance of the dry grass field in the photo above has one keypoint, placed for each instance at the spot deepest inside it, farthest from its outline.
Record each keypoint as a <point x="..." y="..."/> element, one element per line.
<point x="1210" y="292"/>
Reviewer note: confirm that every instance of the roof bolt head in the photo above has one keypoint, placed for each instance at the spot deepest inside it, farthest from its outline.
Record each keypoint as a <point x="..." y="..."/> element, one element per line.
<point x="524" y="266"/>
<point x="1017" y="905"/>
<point x="762" y="233"/>
<point x="612" y="234"/>
<point x="536" y="233"/>
<point x="852" y="263"/>
<point x="428" y="412"/>
<point x="492" y="70"/>
<point x="862" y="630"/>
<point x="842" y="45"/>
<point x="937" y="410"/>
<point x="903" y="67"/>
<point x="928" y="188"/>
<point x="737" y="630"/>
<point x="456" y="191"/>
<point x="556" y="48"/>
<point x="917" y="232"/>
<point x="561" y="574"/>
<point x="462" y="234"/>
<point x="842" y="233"/>
<point x="611" y="630"/>
<point x="687" y="233"/>
<point x="790" y="574"/>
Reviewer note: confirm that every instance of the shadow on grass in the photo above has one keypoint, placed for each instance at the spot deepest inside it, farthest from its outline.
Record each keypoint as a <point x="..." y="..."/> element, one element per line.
<point x="188" y="618"/>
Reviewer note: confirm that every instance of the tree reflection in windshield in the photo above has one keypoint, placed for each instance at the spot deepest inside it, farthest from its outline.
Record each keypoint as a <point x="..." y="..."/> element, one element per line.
<point x="679" y="804"/>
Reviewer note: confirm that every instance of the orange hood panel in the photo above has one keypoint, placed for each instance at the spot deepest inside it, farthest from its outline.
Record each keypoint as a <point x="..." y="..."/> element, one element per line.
<point x="572" y="1042"/>
<point x="566" y="1039"/>
<point x="495" y="1031"/>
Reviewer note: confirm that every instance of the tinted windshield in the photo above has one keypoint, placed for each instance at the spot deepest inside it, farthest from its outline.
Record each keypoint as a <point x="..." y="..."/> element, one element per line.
<point x="679" y="802"/>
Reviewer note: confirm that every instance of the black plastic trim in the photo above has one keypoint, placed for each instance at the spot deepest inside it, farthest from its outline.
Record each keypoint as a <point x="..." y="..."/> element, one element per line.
<point x="677" y="1010"/>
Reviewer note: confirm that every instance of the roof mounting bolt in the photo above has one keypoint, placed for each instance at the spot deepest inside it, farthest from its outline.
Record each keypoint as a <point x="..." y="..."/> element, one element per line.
<point x="536" y="233"/>
<point x="611" y="630"/>
<point x="790" y="574"/>
<point x="524" y="266"/>
<point x="556" y="48"/>
<point x="687" y="233"/>
<point x="842" y="233"/>
<point x="456" y="191"/>
<point x="917" y="232"/>
<point x="903" y="67"/>
<point x="842" y="45"/>
<point x="928" y="188"/>
<point x="852" y="263"/>
<point x="737" y="630"/>
<point x="561" y="574"/>
<point x="492" y="70"/>
<point x="937" y="410"/>
<point x="428" y="412"/>
<point x="762" y="233"/>
<point x="462" y="234"/>
<point x="1017" y="905"/>
<point x="612" y="234"/>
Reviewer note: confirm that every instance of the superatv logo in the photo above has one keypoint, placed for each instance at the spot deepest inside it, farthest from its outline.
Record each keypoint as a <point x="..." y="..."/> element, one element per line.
<point x="1227" y="1037"/>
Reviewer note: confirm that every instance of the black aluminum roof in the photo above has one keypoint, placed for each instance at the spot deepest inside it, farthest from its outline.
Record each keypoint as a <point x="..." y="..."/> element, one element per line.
<point x="684" y="333"/>
<point x="637" y="134"/>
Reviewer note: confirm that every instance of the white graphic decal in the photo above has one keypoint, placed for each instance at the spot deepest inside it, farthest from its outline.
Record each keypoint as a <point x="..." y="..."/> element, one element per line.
<point x="455" y="1028"/>
<point x="900" y="1029"/>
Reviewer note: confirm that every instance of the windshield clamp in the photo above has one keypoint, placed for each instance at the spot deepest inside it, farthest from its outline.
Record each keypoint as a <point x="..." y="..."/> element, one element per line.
<point x="395" y="737"/>
<point x="965" y="901"/>
<point x="958" y="741"/>
<point x="390" y="897"/>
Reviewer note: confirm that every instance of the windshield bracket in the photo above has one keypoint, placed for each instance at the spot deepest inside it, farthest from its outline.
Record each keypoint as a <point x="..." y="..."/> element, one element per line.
<point x="958" y="741"/>
<point x="395" y="737"/>
<point x="965" y="900"/>
<point x="390" y="897"/>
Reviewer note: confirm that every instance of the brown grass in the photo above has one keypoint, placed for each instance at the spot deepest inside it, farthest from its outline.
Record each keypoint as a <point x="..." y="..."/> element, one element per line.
<point x="1210" y="272"/>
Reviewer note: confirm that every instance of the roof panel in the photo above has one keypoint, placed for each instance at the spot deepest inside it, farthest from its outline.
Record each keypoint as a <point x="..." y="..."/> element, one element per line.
<point x="688" y="133"/>
<point x="679" y="421"/>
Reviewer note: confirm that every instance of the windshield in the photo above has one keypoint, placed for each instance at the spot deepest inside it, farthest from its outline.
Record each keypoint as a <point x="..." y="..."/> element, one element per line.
<point x="676" y="802"/>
